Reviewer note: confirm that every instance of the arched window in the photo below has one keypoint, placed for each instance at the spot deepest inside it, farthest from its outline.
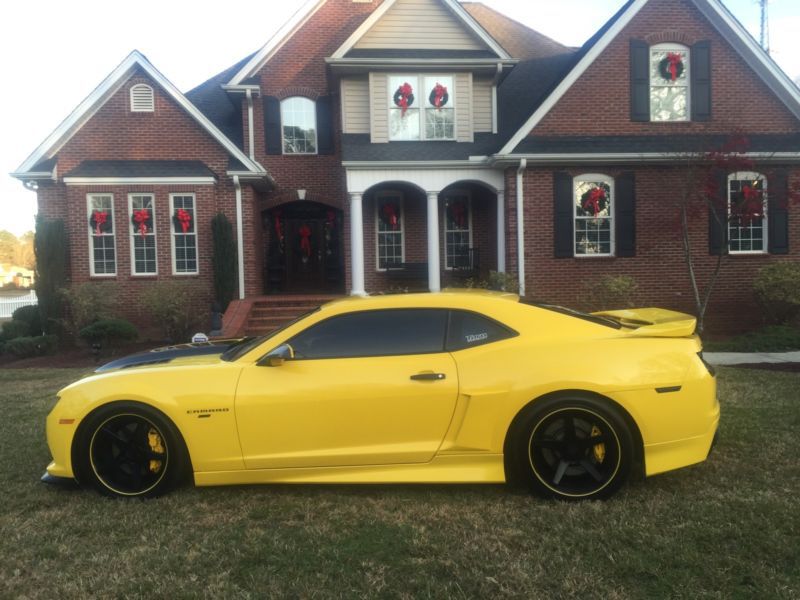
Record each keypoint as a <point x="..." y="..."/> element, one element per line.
<point x="669" y="82"/>
<point x="299" y="125"/>
<point x="594" y="214"/>
<point x="142" y="98"/>
<point x="747" y="213"/>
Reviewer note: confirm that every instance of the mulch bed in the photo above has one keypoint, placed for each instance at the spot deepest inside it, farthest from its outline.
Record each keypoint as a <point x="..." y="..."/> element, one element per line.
<point x="72" y="358"/>
<point x="788" y="367"/>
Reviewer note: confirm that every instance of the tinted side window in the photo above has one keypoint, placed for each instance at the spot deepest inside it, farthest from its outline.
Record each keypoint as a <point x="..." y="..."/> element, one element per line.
<point x="374" y="333"/>
<point x="470" y="329"/>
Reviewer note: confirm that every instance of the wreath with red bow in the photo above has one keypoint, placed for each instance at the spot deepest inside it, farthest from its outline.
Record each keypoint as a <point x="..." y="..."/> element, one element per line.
<point x="404" y="97"/>
<point x="100" y="222"/>
<point x="457" y="212"/>
<point x="749" y="206"/>
<point x="390" y="215"/>
<point x="183" y="220"/>
<point x="142" y="220"/>
<point x="439" y="96"/>
<point x="595" y="200"/>
<point x="671" y="66"/>
<point x="305" y="240"/>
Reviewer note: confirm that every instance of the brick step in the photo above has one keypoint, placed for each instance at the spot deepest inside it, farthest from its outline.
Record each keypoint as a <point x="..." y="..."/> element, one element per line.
<point x="270" y="320"/>
<point x="268" y="311"/>
<point x="311" y="301"/>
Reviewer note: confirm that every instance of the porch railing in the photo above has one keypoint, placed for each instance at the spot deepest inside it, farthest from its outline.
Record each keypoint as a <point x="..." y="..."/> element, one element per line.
<point x="9" y="305"/>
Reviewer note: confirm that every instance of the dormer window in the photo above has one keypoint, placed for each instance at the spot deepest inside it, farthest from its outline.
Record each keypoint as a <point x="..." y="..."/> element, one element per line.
<point x="421" y="107"/>
<point x="669" y="82"/>
<point x="142" y="98"/>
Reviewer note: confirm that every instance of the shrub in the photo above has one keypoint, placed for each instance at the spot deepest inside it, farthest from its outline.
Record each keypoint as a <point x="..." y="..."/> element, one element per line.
<point x="171" y="307"/>
<point x="31" y="316"/>
<point x="50" y="245"/>
<point x="612" y="292"/>
<point x="87" y="303"/>
<point x="223" y="260"/>
<point x="503" y="282"/>
<point x="109" y="333"/>
<point x="777" y="291"/>
<point x="14" y="329"/>
<point x="26" y="347"/>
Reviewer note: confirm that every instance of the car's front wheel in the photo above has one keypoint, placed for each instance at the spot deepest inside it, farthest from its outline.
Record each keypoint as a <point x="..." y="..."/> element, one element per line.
<point x="572" y="448"/>
<point x="127" y="449"/>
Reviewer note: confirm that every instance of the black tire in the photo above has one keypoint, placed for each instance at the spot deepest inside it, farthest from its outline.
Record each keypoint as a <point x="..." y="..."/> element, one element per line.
<point x="129" y="450"/>
<point x="574" y="447"/>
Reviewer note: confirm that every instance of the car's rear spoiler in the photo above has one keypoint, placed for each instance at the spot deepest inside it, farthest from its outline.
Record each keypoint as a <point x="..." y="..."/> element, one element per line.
<point x="652" y="322"/>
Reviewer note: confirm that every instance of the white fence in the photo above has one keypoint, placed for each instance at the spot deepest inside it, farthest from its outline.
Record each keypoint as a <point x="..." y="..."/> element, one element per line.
<point x="9" y="305"/>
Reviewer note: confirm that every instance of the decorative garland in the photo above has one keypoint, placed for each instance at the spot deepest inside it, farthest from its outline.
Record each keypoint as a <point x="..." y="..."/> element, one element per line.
<point x="183" y="219"/>
<point x="389" y="214"/>
<point x="305" y="240"/>
<point x="99" y="221"/>
<point x="142" y="220"/>
<point x="594" y="201"/>
<point x="404" y="97"/>
<point x="439" y="96"/>
<point x="330" y="220"/>
<point x="458" y="213"/>
<point x="671" y="67"/>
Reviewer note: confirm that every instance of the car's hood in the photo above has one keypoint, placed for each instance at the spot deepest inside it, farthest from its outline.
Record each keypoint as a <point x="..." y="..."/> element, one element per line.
<point x="170" y="355"/>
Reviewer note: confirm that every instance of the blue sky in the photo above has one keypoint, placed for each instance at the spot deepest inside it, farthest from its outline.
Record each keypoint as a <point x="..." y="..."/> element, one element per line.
<point x="54" y="53"/>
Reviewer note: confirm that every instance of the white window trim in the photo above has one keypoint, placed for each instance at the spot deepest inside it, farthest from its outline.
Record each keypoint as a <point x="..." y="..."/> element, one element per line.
<point x="401" y="201"/>
<point x="741" y="176"/>
<point x="91" y="236"/>
<point x="423" y="104"/>
<point x="173" y="232"/>
<point x="447" y="197"/>
<point x="134" y="233"/>
<point x="142" y="86"/>
<point x="592" y="177"/>
<point x="687" y="68"/>
<point x="316" y="129"/>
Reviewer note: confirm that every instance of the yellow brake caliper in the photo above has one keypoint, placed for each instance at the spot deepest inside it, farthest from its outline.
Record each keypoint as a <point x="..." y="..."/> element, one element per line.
<point x="154" y="439"/>
<point x="599" y="449"/>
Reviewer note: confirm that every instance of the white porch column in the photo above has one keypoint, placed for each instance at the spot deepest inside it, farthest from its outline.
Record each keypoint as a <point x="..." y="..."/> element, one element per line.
<point x="357" y="245"/>
<point x="434" y="278"/>
<point x="501" y="232"/>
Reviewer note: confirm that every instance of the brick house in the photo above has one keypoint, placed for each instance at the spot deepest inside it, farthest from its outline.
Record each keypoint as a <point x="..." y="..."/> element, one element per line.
<point x="375" y="144"/>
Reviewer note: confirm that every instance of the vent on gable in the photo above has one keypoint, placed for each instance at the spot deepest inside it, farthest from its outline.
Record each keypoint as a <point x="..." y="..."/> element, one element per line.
<point x="142" y="98"/>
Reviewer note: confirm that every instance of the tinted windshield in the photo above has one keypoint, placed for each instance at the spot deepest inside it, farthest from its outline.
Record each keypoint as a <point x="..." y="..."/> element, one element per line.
<point x="243" y="347"/>
<point x="607" y="321"/>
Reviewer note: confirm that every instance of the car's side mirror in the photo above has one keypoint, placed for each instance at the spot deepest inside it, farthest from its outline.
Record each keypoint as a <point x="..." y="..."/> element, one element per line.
<point x="277" y="357"/>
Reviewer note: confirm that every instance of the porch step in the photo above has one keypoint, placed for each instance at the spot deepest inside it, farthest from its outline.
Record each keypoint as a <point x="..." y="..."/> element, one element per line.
<point x="263" y="314"/>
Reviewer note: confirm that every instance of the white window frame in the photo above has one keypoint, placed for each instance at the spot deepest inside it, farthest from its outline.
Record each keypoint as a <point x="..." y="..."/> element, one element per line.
<point x="316" y="128"/>
<point x="422" y="104"/>
<point x="151" y="107"/>
<point x="135" y="232"/>
<point x="749" y="176"/>
<point x="174" y="232"/>
<point x="400" y="197"/>
<point x="592" y="178"/>
<point x="687" y="71"/>
<point x="113" y="234"/>
<point x="445" y="230"/>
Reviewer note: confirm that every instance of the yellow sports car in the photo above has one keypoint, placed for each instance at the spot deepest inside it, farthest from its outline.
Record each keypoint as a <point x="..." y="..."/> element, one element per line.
<point x="452" y="387"/>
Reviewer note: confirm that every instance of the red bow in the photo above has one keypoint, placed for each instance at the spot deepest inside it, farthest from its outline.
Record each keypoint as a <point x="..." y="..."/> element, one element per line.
<point x="405" y="91"/>
<point x="141" y="217"/>
<point x="751" y="206"/>
<point x="438" y="94"/>
<point x="674" y="60"/>
<point x="593" y="201"/>
<point x="100" y="218"/>
<point x="390" y="214"/>
<point x="459" y="213"/>
<point x="305" y="241"/>
<point x="184" y="218"/>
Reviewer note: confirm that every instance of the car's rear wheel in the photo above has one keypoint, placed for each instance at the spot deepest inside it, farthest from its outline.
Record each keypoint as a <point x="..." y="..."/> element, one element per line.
<point x="573" y="448"/>
<point x="129" y="450"/>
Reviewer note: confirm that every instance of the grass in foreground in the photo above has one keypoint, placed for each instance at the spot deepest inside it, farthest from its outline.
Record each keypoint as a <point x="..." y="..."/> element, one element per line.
<point x="773" y="338"/>
<point x="726" y="528"/>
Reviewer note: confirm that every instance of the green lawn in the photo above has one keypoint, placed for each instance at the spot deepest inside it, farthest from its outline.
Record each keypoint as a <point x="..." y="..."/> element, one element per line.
<point x="729" y="528"/>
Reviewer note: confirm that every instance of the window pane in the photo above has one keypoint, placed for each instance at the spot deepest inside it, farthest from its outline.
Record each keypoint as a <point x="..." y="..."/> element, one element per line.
<point x="469" y="329"/>
<point x="440" y="124"/>
<point x="439" y="89"/>
<point x="593" y="211"/>
<point x="404" y="102"/>
<point x="185" y="243"/>
<point x="746" y="207"/>
<point x="390" y="231"/>
<point x="457" y="232"/>
<point x="669" y="84"/>
<point x="299" y="122"/>
<point x="374" y="333"/>
<point x="404" y="127"/>
<point x="669" y="103"/>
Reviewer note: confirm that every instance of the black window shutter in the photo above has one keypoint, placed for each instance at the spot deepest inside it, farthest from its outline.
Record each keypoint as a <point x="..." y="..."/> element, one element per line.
<point x="640" y="81"/>
<point x="718" y="219"/>
<point x="701" y="81"/>
<point x="325" y="125"/>
<point x="563" y="215"/>
<point x="272" y="125"/>
<point x="625" y="215"/>
<point x="778" y="213"/>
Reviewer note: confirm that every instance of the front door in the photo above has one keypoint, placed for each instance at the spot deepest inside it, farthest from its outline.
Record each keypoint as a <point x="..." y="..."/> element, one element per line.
<point x="306" y="254"/>
<point x="367" y="388"/>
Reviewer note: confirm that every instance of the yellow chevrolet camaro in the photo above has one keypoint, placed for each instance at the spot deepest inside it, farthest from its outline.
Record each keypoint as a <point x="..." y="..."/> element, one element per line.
<point x="451" y="387"/>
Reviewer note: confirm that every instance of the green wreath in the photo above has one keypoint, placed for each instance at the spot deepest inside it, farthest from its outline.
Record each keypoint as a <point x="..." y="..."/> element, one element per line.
<point x="666" y="65"/>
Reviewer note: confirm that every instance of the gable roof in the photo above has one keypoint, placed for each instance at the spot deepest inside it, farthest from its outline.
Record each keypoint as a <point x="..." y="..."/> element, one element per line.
<point x="470" y="23"/>
<point x="718" y="15"/>
<point x="107" y="88"/>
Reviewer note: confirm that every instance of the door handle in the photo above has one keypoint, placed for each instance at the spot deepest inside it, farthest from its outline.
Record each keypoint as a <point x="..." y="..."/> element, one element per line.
<point x="428" y="376"/>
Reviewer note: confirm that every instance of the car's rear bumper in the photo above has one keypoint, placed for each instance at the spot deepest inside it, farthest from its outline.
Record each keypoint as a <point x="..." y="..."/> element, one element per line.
<point x="680" y="453"/>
